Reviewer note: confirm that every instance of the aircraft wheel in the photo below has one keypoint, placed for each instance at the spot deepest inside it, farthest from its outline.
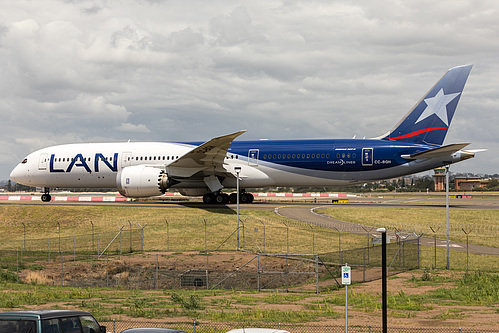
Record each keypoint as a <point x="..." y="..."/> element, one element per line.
<point x="208" y="198"/>
<point x="221" y="198"/>
<point x="46" y="197"/>
<point x="244" y="198"/>
<point x="233" y="198"/>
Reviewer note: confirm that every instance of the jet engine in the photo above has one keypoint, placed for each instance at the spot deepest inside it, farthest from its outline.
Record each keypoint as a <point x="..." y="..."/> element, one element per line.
<point x="141" y="181"/>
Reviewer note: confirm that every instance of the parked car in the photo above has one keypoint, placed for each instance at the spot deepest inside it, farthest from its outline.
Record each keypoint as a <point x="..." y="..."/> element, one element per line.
<point x="49" y="321"/>
<point x="256" y="330"/>
<point x="152" y="330"/>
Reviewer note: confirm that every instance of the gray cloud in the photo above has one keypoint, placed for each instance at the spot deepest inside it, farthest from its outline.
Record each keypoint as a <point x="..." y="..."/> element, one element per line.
<point x="86" y="71"/>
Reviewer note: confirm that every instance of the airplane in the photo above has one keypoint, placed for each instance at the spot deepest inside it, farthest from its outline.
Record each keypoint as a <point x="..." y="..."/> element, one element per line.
<point x="147" y="169"/>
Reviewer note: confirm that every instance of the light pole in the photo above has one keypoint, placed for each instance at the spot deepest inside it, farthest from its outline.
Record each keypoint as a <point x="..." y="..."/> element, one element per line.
<point x="237" y="169"/>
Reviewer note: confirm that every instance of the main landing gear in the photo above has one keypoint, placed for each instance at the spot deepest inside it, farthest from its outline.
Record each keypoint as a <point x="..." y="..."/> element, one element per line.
<point x="46" y="197"/>
<point x="223" y="198"/>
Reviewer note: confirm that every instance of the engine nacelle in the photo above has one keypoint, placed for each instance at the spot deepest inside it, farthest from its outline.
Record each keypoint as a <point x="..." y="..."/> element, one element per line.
<point x="141" y="181"/>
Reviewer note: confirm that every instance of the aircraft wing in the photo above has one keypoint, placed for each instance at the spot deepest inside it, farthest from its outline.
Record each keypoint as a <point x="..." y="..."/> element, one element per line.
<point x="437" y="152"/>
<point x="208" y="156"/>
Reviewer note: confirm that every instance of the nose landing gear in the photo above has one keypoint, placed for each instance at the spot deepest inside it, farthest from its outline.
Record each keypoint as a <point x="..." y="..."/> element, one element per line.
<point x="46" y="197"/>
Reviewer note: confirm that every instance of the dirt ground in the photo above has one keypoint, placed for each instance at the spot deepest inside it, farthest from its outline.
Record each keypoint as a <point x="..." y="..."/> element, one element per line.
<point x="123" y="268"/>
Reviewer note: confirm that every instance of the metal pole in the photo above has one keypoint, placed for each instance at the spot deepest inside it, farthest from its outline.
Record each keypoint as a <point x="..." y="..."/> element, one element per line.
<point x="435" y="245"/>
<point x="263" y="235"/>
<point x="167" y="236"/>
<point x="467" y="253"/>
<point x="238" y="170"/>
<point x="346" y="308"/>
<point x="364" y="264"/>
<point x="447" y="211"/>
<point x="383" y="278"/>
<point x="205" y="235"/>
<point x="62" y="274"/>
<point x="59" y="230"/>
<point x="130" y="223"/>
<point x="24" y="237"/>
<point x="107" y="269"/>
<point x="316" y="273"/>
<point x="313" y="238"/>
<point x="157" y="270"/>
<point x="93" y="241"/>
<point x="258" y="270"/>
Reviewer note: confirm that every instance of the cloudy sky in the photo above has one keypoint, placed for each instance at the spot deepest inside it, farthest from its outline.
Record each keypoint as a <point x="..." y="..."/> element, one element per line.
<point x="96" y="71"/>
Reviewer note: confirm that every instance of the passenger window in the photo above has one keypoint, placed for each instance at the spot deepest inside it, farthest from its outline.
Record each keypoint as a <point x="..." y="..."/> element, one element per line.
<point x="51" y="326"/>
<point x="70" y="325"/>
<point x="16" y="325"/>
<point x="89" y="325"/>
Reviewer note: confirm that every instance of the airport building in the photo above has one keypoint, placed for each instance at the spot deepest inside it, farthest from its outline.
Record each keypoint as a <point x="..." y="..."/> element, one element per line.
<point x="461" y="183"/>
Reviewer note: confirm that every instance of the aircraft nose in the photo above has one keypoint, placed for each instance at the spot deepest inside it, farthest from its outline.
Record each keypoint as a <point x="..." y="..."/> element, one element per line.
<point x="14" y="174"/>
<point x="17" y="175"/>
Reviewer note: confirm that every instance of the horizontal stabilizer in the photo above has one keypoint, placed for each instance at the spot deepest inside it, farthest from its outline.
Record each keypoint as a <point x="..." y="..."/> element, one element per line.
<point x="437" y="152"/>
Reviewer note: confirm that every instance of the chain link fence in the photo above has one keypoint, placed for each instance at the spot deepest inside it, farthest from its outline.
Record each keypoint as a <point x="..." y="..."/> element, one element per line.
<point x="218" y="327"/>
<point x="206" y="270"/>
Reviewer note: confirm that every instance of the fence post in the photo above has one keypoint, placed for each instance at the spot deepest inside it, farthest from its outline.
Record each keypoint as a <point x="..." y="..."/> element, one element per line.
<point x="22" y="247"/>
<point x="142" y="227"/>
<point x="341" y="257"/>
<point x="130" y="223"/>
<point x="419" y="265"/>
<point x="194" y="325"/>
<point x="207" y="271"/>
<point x="62" y="266"/>
<point x="114" y="325"/>
<point x="157" y="268"/>
<point x="49" y="249"/>
<point x="107" y="269"/>
<point x="403" y="255"/>
<point x="17" y="265"/>
<point x="98" y="243"/>
<point x="364" y="264"/>
<point x="167" y="236"/>
<point x="316" y="273"/>
<point x="258" y="270"/>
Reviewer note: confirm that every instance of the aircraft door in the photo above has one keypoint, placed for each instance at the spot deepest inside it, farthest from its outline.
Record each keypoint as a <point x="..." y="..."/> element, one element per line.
<point x="367" y="156"/>
<point x="126" y="159"/>
<point x="42" y="163"/>
<point x="253" y="157"/>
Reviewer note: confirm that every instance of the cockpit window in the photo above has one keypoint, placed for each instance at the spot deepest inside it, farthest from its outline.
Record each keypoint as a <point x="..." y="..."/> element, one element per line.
<point x="25" y="161"/>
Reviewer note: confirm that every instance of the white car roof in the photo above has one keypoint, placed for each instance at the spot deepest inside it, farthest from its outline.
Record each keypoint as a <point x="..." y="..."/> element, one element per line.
<point x="256" y="330"/>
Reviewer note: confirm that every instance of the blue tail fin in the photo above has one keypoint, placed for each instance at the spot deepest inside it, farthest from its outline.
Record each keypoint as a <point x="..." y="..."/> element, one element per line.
<point x="429" y="120"/>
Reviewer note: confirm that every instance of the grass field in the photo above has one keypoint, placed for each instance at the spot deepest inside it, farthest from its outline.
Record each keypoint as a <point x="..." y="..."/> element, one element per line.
<point x="483" y="224"/>
<point x="416" y="297"/>
<point x="172" y="229"/>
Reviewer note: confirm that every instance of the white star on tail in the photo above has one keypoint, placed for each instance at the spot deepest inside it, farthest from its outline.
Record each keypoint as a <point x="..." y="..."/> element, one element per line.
<point x="438" y="105"/>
